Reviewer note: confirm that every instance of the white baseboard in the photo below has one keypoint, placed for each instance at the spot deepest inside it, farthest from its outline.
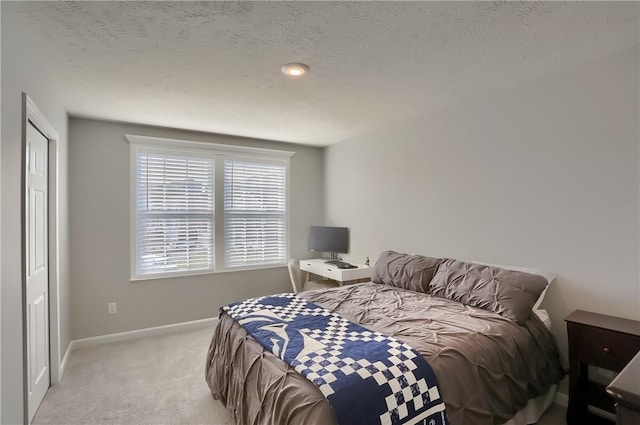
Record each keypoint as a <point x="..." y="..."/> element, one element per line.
<point x="65" y="360"/>
<point x="562" y="399"/>
<point x="139" y="333"/>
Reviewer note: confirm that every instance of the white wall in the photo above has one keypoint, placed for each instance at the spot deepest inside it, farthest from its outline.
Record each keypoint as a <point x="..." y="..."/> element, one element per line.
<point x="0" y="221"/>
<point x="23" y="69"/>
<point x="99" y="214"/>
<point x="545" y="175"/>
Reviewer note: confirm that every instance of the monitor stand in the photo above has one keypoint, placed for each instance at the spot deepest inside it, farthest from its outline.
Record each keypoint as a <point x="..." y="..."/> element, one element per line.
<point x="334" y="259"/>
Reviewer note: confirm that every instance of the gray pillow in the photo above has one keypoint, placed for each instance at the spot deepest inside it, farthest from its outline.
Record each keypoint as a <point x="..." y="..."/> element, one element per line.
<point x="509" y="293"/>
<point x="412" y="272"/>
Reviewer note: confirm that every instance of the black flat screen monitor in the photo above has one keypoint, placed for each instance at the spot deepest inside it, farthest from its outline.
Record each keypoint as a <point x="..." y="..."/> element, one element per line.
<point x="334" y="240"/>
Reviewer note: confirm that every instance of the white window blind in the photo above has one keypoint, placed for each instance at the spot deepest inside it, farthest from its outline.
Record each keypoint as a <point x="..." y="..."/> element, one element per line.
<point x="174" y="213"/>
<point x="254" y="213"/>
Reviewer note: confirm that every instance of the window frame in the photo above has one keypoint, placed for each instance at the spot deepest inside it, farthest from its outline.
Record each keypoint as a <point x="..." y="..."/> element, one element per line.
<point x="218" y="152"/>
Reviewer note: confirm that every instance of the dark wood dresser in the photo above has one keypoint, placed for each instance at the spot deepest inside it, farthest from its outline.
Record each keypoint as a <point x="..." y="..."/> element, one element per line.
<point x="625" y="390"/>
<point x="602" y="341"/>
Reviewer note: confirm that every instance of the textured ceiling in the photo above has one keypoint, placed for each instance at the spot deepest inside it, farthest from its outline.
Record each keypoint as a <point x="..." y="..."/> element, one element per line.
<point x="215" y="66"/>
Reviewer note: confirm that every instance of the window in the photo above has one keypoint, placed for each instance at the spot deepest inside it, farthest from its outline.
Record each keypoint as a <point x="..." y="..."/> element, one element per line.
<point x="174" y="213"/>
<point x="254" y="213"/>
<point x="200" y="208"/>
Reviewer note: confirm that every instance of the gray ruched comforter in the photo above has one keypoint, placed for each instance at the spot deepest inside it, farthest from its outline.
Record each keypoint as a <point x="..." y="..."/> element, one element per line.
<point x="488" y="367"/>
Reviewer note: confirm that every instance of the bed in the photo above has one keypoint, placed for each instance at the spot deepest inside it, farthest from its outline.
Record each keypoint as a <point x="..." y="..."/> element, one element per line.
<point x="491" y="368"/>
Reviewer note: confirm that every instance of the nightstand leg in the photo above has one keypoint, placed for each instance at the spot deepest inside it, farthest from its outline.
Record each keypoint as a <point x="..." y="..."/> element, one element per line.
<point x="578" y="378"/>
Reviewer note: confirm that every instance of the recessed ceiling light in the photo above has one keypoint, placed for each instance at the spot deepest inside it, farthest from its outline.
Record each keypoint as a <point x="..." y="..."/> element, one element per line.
<point x="294" y="69"/>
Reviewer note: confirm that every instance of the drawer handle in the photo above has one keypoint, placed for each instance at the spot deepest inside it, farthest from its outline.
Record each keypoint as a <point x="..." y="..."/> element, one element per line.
<point x="606" y="350"/>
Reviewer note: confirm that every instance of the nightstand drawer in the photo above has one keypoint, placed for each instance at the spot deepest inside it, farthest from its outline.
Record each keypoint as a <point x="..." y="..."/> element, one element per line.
<point x="604" y="348"/>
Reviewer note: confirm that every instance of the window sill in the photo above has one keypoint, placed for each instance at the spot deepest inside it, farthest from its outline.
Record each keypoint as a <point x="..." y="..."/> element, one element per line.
<point x="203" y="272"/>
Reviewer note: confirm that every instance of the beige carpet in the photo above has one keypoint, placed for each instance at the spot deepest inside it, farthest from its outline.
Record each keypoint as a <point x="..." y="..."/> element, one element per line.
<point x="155" y="380"/>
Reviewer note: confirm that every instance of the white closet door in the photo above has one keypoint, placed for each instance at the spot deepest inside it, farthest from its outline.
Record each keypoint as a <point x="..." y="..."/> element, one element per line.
<point x="37" y="278"/>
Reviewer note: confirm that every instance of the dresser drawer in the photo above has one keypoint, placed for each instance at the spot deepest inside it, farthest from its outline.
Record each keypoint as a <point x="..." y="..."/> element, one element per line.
<point x="604" y="348"/>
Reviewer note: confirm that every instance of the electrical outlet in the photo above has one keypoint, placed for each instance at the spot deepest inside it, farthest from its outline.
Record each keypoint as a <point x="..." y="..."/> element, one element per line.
<point x="112" y="308"/>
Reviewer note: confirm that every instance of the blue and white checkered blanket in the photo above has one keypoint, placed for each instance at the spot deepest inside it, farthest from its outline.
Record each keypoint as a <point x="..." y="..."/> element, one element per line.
<point x="367" y="377"/>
